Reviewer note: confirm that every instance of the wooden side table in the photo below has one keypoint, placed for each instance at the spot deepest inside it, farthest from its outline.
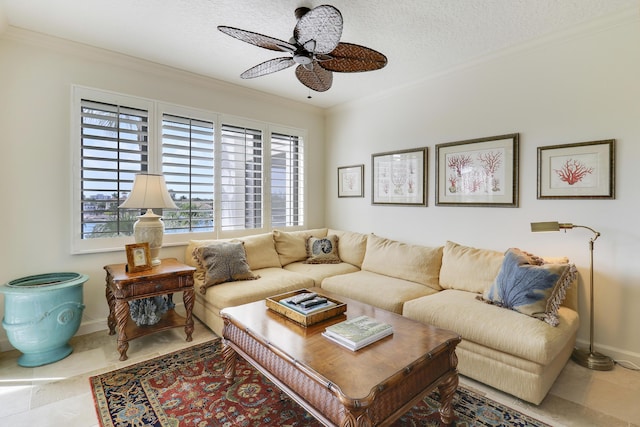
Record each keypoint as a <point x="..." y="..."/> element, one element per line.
<point x="165" y="279"/>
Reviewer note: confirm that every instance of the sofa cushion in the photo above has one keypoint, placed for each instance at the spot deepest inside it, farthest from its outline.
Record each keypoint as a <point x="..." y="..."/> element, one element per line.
<point x="469" y="269"/>
<point x="322" y="250"/>
<point x="272" y="281"/>
<point x="261" y="251"/>
<point x="493" y="327"/>
<point x="388" y="293"/>
<point x="530" y="286"/>
<point x="351" y="246"/>
<point x="292" y="245"/>
<point x="415" y="263"/>
<point x="318" y="272"/>
<point x="223" y="262"/>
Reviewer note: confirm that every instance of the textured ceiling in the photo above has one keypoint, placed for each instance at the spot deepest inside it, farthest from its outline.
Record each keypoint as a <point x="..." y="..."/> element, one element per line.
<point x="419" y="37"/>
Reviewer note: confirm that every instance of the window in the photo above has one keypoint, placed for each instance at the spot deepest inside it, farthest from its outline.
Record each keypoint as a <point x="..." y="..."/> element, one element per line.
<point x="241" y="178"/>
<point x="287" y="180"/>
<point x="225" y="174"/>
<point x="187" y="166"/>
<point x="113" y="149"/>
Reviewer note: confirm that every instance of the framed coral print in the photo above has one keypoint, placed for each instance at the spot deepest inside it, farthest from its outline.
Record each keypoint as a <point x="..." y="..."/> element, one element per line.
<point x="399" y="178"/>
<point x="350" y="181"/>
<point x="138" y="257"/>
<point x="478" y="172"/>
<point x="585" y="170"/>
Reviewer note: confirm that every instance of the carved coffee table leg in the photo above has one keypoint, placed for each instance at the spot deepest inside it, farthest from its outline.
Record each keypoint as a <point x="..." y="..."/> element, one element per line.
<point x="122" y="315"/>
<point x="358" y="418"/>
<point x="188" y="298"/>
<point x="447" y="389"/>
<point x="229" y="355"/>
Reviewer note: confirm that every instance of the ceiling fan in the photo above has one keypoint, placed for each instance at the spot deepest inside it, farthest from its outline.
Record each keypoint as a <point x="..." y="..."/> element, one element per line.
<point x="315" y="47"/>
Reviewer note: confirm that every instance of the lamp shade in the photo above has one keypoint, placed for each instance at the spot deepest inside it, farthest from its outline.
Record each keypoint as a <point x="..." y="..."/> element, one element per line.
<point x="149" y="191"/>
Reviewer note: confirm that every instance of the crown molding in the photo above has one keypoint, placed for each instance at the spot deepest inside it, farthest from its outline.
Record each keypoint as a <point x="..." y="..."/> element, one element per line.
<point x="67" y="47"/>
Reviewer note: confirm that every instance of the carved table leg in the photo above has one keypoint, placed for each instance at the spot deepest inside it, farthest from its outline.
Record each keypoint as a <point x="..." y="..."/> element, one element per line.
<point x="122" y="316"/>
<point x="188" y="298"/>
<point x="447" y="389"/>
<point x="355" y="419"/>
<point x="111" y="319"/>
<point x="229" y="355"/>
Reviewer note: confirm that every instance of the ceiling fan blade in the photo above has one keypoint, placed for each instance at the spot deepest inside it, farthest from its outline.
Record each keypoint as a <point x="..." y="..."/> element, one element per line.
<point x="322" y="24"/>
<point x="259" y="40"/>
<point x="268" y="67"/>
<point x="352" y="58"/>
<point x="314" y="77"/>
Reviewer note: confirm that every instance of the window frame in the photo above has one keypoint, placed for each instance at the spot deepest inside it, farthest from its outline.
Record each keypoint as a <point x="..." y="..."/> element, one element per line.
<point x="156" y="110"/>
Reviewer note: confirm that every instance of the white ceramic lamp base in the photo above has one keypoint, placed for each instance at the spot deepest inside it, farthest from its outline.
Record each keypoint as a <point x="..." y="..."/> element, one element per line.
<point x="150" y="228"/>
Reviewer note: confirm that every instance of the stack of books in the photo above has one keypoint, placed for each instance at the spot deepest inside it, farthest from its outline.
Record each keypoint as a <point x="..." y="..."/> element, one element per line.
<point x="358" y="332"/>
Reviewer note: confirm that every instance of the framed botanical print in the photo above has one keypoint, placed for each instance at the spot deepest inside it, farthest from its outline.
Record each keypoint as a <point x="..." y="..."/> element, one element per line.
<point x="478" y="172"/>
<point x="399" y="178"/>
<point x="351" y="181"/>
<point x="584" y="170"/>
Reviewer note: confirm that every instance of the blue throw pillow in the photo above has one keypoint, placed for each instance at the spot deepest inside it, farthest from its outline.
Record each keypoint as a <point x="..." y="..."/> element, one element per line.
<point x="530" y="286"/>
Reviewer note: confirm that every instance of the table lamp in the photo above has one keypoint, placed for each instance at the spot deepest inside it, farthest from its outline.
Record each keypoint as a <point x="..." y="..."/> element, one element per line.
<point x="149" y="192"/>
<point x="587" y="358"/>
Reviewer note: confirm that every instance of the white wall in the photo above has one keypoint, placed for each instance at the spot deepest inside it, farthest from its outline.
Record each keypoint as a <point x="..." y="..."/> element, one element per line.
<point x="36" y="74"/>
<point x="581" y="86"/>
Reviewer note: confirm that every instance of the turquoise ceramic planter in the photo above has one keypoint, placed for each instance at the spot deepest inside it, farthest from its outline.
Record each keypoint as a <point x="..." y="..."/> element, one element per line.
<point x="41" y="314"/>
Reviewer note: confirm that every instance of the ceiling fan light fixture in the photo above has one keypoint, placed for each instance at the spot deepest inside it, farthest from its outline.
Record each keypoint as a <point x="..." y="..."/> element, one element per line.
<point x="302" y="58"/>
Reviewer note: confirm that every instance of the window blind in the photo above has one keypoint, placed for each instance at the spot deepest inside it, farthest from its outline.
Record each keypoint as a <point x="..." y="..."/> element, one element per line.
<point x="241" y="168"/>
<point x="114" y="147"/>
<point x="287" y="180"/>
<point x="188" y="168"/>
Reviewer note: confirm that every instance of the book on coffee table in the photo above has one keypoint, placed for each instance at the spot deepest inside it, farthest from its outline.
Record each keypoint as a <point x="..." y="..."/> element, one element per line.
<point x="358" y="332"/>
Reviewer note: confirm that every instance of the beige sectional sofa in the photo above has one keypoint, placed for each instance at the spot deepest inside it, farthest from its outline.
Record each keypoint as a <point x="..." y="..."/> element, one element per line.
<point x="505" y="349"/>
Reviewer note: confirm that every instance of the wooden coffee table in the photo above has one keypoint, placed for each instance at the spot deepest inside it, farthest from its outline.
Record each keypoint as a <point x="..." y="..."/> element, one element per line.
<point x="372" y="386"/>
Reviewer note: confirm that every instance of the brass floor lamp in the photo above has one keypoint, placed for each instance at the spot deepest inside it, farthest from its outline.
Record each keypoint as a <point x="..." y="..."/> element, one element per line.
<point x="587" y="358"/>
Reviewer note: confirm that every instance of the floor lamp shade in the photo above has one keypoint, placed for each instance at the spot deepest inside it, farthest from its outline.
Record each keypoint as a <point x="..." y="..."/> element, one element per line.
<point x="149" y="192"/>
<point x="585" y="357"/>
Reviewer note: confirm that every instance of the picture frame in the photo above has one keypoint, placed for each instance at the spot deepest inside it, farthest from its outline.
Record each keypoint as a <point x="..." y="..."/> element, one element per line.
<point x="138" y="257"/>
<point x="399" y="177"/>
<point x="478" y="172"/>
<point x="351" y="181"/>
<point x="583" y="170"/>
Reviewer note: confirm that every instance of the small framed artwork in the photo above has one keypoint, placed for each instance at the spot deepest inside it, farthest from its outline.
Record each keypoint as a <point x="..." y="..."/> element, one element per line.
<point x="478" y="172"/>
<point x="585" y="170"/>
<point x="351" y="181"/>
<point x="138" y="257"/>
<point x="399" y="178"/>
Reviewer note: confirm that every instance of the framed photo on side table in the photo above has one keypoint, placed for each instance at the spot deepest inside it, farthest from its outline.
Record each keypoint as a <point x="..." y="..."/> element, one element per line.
<point x="399" y="178"/>
<point x="478" y="172"/>
<point x="138" y="257"/>
<point x="585" y="170"/>
<point x="351" y="181"/>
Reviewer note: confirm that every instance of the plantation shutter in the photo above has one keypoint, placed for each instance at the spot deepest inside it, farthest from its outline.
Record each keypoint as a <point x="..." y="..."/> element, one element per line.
<point x="114" y="148"/>
<point x="187" y="165"/>
<point x="241" y="166"/>
<point x="287" y="180"/>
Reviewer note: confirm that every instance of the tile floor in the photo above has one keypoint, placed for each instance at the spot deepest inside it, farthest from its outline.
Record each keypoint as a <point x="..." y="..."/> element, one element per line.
<point x="59" y="394"/>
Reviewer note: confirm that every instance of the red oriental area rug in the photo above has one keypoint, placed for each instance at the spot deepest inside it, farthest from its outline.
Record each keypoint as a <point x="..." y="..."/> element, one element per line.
<point x="187" y="388"/>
